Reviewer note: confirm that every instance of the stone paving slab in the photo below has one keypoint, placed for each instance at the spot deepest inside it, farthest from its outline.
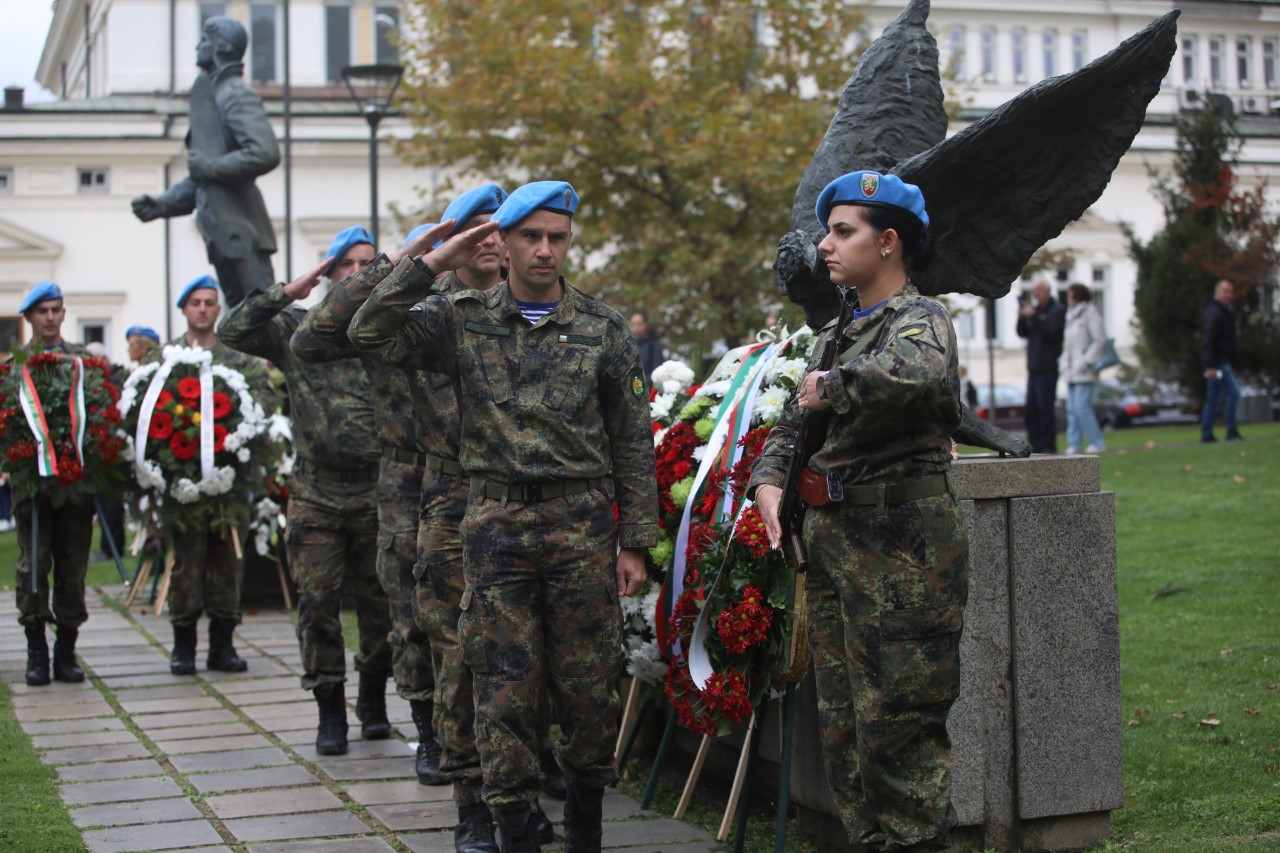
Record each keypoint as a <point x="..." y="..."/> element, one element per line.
<point x="359" y="749"/>
<point x="244" y="780"/>
<point x="284" y="801"/>
<point x="74" y="694"/>
<point x="402" y="816"/>
<point x="148" y="811"/>
<point x="346" y="845"/>
<point x="85" y="754"/>
<point x="288" y="827"/>
<point x="184" y="720"/>
<point x="368" y="768"/>
<point x="165" y="706"/>
<point x="62" y="727"/>
<point x="240" y="759"/>
<point x="255" y="685"/>
<point x="128" y="682"/>
<point x="91" y="793"/>
<point x="277" y="696"/>
<point x="110" y="770"/>
<point x="188" y="746"/>
<point x="405" y="791"/>
<point x="71" y="711"/>
<point x="153" y="836"/>
<point x="204" y="732"/>
<point x="60" y="742"/>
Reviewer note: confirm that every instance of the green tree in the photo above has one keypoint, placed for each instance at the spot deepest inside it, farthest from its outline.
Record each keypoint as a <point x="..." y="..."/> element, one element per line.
<point x="685" y="128"/>
<point x="1213" y="229"/>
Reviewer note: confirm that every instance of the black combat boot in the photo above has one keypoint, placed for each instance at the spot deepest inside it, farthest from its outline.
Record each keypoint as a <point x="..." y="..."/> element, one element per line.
<point x="183" y="659"/>
<point x="331" y="734"/>
<point x="517" y="831"/>
<point x="37" y="655"/>
<point x="582" y="813"/>
<point x="65" y="668"/>
<point x="542" y="826"/>
<point x="371" y="707"/>
<point x="554" y="784"/>
<point x="427" y="763"/>
<point x="222" y="652"/>
<point x="474" y="832"/>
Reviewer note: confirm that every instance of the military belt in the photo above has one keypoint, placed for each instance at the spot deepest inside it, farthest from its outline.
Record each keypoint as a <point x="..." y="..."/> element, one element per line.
<point x="335" y="475"/>
<point x="891" y="494"/>
<point x="528" y="492"/>
<point x="442" y="465"/>
<point x="408" y="457"/>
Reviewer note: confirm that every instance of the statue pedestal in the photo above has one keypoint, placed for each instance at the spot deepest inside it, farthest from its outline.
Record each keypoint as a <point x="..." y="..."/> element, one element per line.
<point x="1036" y="732"/>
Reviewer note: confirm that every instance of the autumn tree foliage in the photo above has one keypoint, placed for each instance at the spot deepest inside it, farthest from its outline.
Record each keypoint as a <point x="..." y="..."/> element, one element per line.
<point x="685" y="128"/>
<point x="1214" y="228"/>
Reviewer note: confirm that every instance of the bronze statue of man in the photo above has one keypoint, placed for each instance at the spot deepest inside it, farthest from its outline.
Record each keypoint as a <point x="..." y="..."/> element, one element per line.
<point x="229" y="144"/>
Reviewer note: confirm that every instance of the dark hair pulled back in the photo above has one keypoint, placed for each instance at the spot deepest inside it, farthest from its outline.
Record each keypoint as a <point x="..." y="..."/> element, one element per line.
<point x="917" y="242"/>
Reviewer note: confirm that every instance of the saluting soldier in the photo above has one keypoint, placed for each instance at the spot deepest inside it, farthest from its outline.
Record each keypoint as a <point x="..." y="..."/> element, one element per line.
<point x="66" y="531"/>
<point x="332" y="535"/>
<point x="206" y="570"/>
<point x="555" y="427"/>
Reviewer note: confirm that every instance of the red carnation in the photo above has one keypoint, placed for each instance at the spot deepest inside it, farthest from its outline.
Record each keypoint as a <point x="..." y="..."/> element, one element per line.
<point x="221" y="405"/>
<point x="183" y="448"/>
<point x="161" y="426"/>
<point x="164" y="399"/>
<point x="189" y="386"/>
<point x="219" y="437"/>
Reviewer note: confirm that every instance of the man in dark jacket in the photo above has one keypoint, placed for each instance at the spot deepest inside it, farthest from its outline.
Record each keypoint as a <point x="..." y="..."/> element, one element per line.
<point x="651" y="354"/>
<point x="230" y="143"/>
<point x="1042" y="324"/>
<point x="1219" y="356"/>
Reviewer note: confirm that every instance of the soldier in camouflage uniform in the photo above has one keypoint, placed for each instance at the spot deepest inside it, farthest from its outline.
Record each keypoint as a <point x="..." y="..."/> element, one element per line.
<point x="888" y="562"/>
<point x="206" y="570"/>
<point x="555" y="426"/>
<point x="65" y="531"/>
<point x="322" y="338"/>
<point x="332" y="535"/>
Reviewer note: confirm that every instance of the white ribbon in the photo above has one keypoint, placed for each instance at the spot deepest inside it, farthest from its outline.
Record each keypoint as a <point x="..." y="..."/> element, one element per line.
<point x="148" y="409"/>
<point x="206" y="418"/>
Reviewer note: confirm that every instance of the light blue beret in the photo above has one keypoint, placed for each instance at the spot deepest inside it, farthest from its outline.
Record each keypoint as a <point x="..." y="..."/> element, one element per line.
<point x="204" y="282"/>
<point x="426" y="226"/>
<point x="871" y="189"/>
<point x="42" y="292"/>
<point x="347" y="237"/>
<point x="485" y="199"/>
<point x="142" y="331"/>
<point x="557" y="196"/>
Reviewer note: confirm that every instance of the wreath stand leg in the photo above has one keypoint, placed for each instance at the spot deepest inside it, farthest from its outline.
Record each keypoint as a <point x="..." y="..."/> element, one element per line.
<point x="139" y="580"/>
<point x="784" y="777"/>
<point x="164" y="582"/>
<point x="111" y="540"/>
<point x="645" y="704"/>
<point x="739" y="778"/>
<point x="284" y="584"/>
<point x="652" y="785"/>
<point x="694" y="773"/>
<point x="35" y="545"/>
<point x="137" y="541"/>
<point x="235" y="542"/>
<point x="628" y="714"/>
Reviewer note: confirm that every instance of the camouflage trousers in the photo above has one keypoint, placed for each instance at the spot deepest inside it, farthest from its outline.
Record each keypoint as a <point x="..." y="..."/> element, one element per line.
<point x="206" y="576"/>
<point x="540" y="615"/>
<point x="886" y="603"/>
<point x="399" y="495"/>
<point x="332" y="540"/>
<point x="65" y="537"/>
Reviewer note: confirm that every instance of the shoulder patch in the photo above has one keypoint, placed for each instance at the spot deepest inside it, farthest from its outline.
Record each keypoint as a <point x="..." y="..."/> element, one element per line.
<point x="912" y="330"/>
<point x="637" y="383"/>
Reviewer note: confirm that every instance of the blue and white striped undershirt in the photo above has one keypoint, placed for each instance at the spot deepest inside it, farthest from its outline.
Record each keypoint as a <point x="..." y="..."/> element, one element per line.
<point x="535" y="311"/>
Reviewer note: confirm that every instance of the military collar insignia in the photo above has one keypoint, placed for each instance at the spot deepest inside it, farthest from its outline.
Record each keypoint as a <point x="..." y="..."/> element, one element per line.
<point x="870" y="184"/>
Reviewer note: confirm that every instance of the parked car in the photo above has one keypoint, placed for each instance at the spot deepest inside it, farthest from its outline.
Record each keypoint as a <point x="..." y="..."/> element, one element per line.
<point x="1010" y="409"/>
<point x="1118" y="405"/>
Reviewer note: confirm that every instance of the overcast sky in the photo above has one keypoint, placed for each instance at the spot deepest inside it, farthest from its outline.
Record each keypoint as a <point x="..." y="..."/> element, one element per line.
<point x="21" y="42"/>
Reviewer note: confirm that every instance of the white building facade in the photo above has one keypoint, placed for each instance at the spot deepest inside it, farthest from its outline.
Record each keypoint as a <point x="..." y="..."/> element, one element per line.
<point x="121" y="69"/>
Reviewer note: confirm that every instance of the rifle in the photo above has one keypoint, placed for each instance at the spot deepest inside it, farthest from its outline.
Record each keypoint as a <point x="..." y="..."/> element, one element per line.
<point x="810" y="435"/>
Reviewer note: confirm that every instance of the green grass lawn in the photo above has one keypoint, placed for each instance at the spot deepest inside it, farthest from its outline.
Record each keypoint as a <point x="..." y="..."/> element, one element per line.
<point x="1199" y="560"/>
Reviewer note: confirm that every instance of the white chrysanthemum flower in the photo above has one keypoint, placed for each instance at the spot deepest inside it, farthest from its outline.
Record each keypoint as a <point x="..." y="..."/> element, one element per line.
<point x="279" y="428"/>
<point x="262" y="540"/>
<point x="243" y="455"/>
<point x="660" y="408"/>
<point x="672" y="371"/>
<point x="714" y="389"/>
<point x="699" y="452"/>
<point x="770" y="404"/>
<point x="185" y="491"/>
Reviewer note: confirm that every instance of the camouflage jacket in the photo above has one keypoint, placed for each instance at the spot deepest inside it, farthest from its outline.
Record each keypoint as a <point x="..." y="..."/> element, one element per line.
<point x="895" y="404"/>
<point x="562" y="399"/>
<point x="330" y="405"/>
<point x="402" y="405"/>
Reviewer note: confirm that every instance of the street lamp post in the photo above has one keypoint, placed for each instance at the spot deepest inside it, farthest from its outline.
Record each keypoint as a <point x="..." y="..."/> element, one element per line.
<point x="372" y="87"/>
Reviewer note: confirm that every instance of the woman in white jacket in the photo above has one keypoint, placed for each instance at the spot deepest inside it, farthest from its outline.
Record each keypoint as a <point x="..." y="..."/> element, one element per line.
<point x="1082" y="346"/>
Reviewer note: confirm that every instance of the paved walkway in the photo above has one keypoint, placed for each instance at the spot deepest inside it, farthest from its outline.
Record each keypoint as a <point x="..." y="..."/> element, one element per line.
<point x="226" y="762"/>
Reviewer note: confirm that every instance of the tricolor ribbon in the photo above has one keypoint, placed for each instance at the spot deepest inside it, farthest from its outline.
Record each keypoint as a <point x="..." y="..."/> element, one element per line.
<point x="33" y="409"/>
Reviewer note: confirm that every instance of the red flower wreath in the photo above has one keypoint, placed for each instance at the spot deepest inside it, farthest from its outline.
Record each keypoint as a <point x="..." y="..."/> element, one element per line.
<point x="161" y="426"/>
<point x="221" y="405"/>
<point x="189" y="388"/>
<point x="183" y="448"/>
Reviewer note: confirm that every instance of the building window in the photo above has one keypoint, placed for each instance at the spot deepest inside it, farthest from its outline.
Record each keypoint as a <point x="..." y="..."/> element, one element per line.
<point x="955" y="43"/>
<point x="211" y="10"/>
<point x="1244" y="63"/>
<point x="337" y="39"/>
<point x="1270" y="56"/>
<point x="93" y="181"/>
<point x="262" y="42"/>
<point x="1050" y="41"/>
<point x="988" y="54"/>
<point x="94" y="331"/>
<point x="6" y="181"/>
<point x="1019" y="55"/>
<point x="386" y="20"/>
<point x="1190" y="68"/>
<point x="1215" y="61"/>
<point x="10" y="333"/>
<point x="1079" y="49"/>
